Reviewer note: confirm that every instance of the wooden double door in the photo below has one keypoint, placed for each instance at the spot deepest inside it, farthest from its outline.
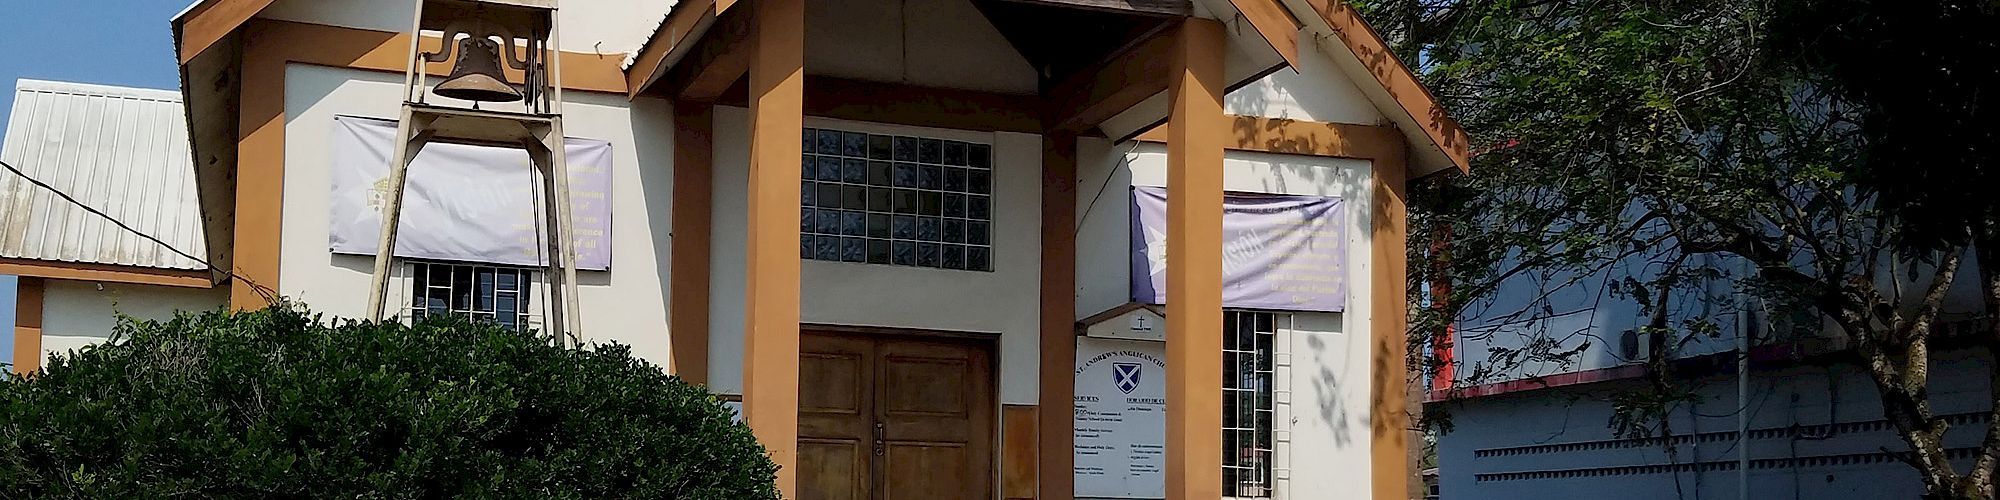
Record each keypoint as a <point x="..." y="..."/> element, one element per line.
<point x="895" y="417"/>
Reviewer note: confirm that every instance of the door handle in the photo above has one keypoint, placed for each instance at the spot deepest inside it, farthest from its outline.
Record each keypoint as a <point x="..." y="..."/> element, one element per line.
<point x="880" y="435"/>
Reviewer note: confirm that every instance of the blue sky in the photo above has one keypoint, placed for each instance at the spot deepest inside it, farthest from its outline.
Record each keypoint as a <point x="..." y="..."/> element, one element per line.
<point x="108" y="42"/>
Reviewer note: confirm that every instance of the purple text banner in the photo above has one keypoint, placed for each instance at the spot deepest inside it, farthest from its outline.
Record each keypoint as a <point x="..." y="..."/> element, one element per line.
<point x="1279" y="252"/>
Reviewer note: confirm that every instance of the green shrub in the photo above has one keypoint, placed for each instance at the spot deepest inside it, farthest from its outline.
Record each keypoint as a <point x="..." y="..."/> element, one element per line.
<point x="281" y="403"/>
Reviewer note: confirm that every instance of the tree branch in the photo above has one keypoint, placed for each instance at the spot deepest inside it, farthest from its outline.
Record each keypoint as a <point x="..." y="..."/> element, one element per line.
<point x="1914" y="336"/>
<point x="1986" y="247"/>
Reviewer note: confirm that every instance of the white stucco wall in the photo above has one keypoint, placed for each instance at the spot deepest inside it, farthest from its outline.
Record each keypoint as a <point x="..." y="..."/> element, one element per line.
<point x="609" y="27"/>
<point x="626" y="304"/>
<point x="80" y="313"/>
<point x="1323" y="360"/>
<point x="1004" y="301"/>
<point x="1314" y="91"/>
<point x="1322" y="418"/>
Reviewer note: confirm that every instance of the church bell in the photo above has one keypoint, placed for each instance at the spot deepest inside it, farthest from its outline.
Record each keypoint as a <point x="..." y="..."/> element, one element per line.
<point x="477" y="75"/>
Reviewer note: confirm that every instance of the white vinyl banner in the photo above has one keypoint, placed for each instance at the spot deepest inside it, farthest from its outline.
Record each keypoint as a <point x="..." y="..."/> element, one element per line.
<point x="1121" y="418"/>
<point x="462" y="202"/>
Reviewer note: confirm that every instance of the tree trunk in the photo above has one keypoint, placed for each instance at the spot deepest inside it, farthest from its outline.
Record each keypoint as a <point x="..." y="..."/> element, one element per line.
<point x="1924" y="433"/>
<point x="1909" y="412"/>
<point x="1986" y="253"/>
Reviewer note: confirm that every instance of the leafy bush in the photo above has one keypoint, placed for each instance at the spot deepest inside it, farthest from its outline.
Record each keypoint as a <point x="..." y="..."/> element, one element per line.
<point x="282" y="403"/>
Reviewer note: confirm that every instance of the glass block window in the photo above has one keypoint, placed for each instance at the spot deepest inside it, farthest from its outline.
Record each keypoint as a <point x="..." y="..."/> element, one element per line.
<point x="1247" y="411"/>
<point x="896" y="200"/>
<point x="482" y="293"/>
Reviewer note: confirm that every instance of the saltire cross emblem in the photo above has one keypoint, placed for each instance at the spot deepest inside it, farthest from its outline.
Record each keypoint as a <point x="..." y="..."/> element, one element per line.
<point x="1125" y="376"/>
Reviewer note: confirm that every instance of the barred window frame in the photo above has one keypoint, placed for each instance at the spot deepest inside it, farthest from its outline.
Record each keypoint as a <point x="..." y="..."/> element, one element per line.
<point x="1249" y="400"/>
<point x="480" y="292"/>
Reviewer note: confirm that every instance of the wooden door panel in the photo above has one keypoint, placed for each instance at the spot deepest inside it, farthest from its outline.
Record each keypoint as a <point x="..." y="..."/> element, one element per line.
<point x="834" y="389"/>
<point x="838" y="382"/>
<point x="937" y="409"/>
<point x="928" y="471"/>
<point x="836" y="418"/>
<point x="834" y="469"/>
<point x="926" y="387"/>
<point x="930" y="403"/>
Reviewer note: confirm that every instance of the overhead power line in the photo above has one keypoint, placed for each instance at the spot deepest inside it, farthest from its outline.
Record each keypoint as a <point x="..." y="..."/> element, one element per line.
<point x="269" y="295"/>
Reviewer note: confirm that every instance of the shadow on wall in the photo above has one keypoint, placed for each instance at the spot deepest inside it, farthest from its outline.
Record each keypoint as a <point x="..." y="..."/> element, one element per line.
<point x="653" y="124"/>
<point x="1332" y="362"/>
<point x="1251" y="100"/>
<point x="1331" y="393"/>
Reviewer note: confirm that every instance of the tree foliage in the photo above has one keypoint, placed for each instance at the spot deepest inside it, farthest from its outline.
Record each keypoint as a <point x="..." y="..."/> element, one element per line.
<point x="1844" y="150"/>
<point x="281" y="403"/>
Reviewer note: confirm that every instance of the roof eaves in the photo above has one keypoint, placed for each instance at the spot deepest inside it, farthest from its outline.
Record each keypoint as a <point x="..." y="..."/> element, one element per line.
<point x="1396" y="79"/>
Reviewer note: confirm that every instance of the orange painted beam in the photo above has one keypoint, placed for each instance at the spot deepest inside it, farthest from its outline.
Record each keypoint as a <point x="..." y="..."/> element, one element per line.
<point x="1275" y="23"/>
<point x="1195" y="140"/>
<point x="694" y="140"/>
<point x="1298" y="137"/>
<point x="1389" y="388"/>
<point x="106" y="273"/>
<point x="922" y="106"/>
<point x="1058" y="317"/>
<point x="1397" y="79"/>
<point x="1092" y="96"/>
<point x="672" y="33"/>
<point x="771" y="305"/>
<point x="355" y="48"/>
<point x="1019" y="452"/>
<point x="212" y="20"/>
<point x="711" y="62"/>
<point x="28" y="300"/>
<point x="260" y="167"/>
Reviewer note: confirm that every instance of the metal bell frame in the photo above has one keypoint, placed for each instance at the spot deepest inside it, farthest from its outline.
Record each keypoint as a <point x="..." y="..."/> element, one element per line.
<point x="536" y="127"/>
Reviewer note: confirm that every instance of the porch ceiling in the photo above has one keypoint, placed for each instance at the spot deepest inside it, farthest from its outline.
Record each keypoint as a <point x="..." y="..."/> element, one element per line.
<point x="1066" y="42"/>
<point x="1063" y="38"/>
<point x="1088" y="56"/>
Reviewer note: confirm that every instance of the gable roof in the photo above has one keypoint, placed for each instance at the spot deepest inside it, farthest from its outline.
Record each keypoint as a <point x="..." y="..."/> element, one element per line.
<point x="1420" y="111"/>
<point x="205" y="22"/>
<point x="1437" y="139"/>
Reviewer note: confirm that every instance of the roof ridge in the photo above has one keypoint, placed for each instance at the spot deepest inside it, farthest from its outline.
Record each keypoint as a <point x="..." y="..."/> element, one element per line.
<point x="95" y="90"/>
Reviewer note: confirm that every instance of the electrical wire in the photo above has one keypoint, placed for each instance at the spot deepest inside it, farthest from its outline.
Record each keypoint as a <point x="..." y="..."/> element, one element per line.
<point x="267" y="293"/>
<point x="1124" y="162"/>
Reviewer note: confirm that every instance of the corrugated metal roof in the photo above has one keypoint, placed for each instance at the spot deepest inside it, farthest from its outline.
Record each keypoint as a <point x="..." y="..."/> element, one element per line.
<point x="122" y="151"/>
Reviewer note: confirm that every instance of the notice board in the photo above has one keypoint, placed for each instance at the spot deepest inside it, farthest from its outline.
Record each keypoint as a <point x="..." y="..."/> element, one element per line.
<point x="1121" y="418"/>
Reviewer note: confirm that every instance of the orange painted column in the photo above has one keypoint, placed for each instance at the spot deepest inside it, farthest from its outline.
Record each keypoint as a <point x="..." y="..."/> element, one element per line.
<point x="771" y="306"/>
<point x="1057" y="473"/>
<point x="688" y="275"/>
<point x="260" y="171"/>
<point x="1390" y="384"/>
<point x="28" y="324"/>
<point x="1197" y="130"/>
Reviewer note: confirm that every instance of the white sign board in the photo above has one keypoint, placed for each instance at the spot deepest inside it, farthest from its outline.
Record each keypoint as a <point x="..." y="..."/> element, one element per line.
<point x="1121" y="418"/>
<point x="1138" y="323"/>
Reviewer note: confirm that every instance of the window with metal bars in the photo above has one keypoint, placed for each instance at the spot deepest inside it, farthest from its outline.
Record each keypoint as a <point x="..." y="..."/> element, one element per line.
<point x="1247" y="411"/>
<point x="482" y="293"/>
